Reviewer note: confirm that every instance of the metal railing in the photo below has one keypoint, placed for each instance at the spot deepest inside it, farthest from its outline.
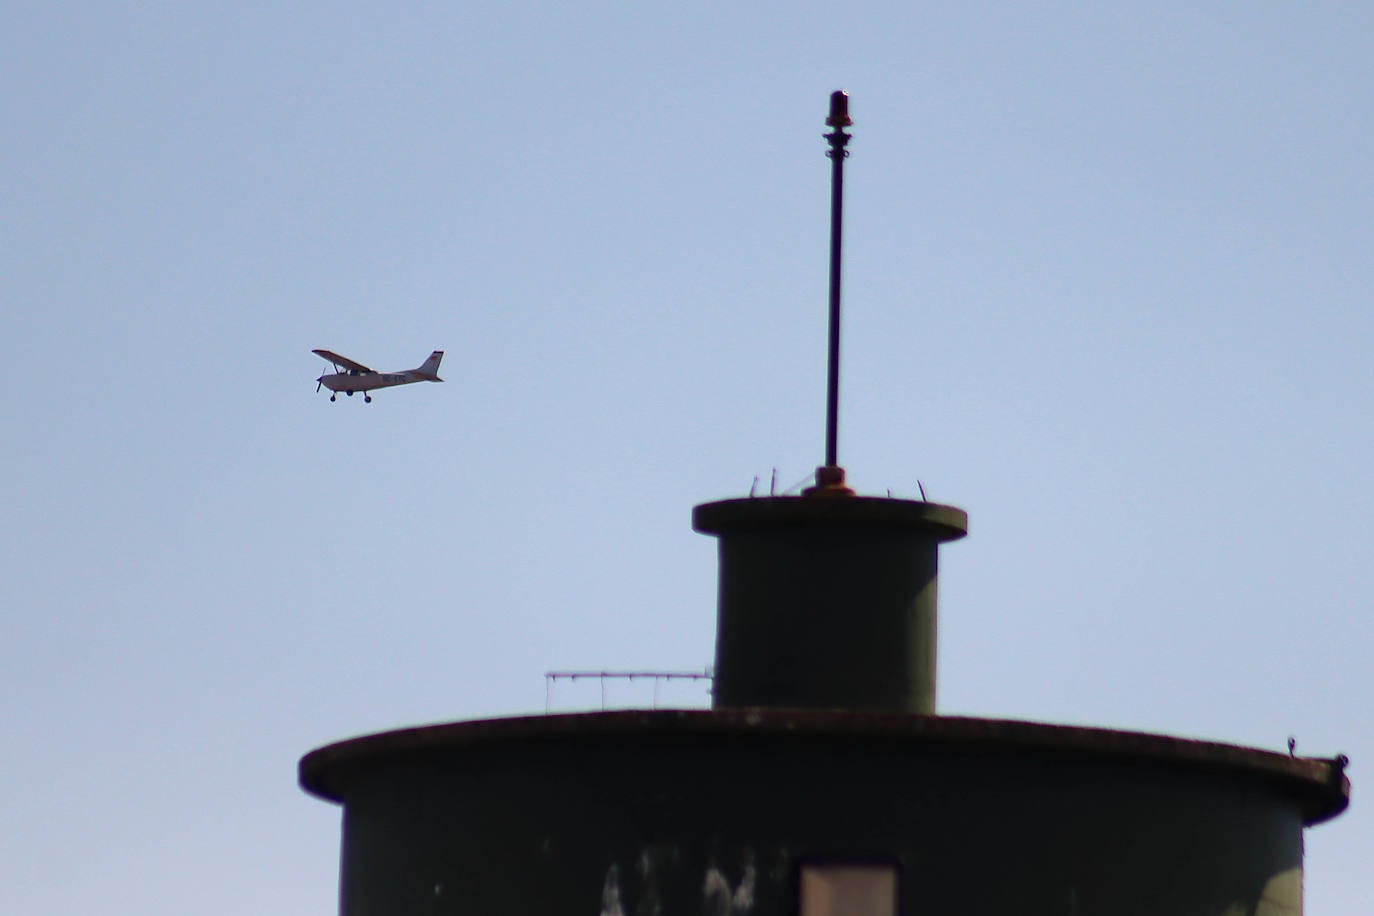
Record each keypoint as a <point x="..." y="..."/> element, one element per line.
<point x="658" y="677"/>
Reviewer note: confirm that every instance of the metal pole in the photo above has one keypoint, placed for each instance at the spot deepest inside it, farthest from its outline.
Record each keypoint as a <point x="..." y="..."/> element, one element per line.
<point x="839" y="119"/>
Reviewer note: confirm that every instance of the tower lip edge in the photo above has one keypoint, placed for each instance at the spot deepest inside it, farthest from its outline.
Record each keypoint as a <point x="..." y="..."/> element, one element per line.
<point x="726" y="516"/>
<point x="1319" y="786"/>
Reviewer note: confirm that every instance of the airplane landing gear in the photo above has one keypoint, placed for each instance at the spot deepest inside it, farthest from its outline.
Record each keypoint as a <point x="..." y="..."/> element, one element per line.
<point x="333" y="397"/>
<point x="367" y="399"/>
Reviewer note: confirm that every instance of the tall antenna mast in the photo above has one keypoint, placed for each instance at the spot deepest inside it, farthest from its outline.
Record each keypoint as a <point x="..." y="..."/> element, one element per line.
<point x="830" y="476"/>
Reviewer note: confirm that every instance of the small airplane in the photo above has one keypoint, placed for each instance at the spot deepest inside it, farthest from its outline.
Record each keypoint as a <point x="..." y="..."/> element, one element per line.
<point x="349" y="376"/>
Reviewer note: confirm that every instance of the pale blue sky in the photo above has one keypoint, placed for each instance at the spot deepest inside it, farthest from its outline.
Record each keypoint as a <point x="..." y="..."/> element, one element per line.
<point x="1108" y="276"/>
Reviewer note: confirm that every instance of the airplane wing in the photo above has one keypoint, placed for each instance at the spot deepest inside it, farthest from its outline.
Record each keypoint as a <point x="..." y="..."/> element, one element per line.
<point x="344" y="361"/>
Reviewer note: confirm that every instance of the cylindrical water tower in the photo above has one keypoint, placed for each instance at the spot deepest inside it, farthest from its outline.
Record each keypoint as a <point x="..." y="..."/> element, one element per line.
<point x="822" y="782"/>
<point x="828" y="601"/>
<point x="817" y="785"/>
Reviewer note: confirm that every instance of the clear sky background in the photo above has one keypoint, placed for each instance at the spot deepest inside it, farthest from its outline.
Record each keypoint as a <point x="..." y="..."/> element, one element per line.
<point x="1108" y="280"/>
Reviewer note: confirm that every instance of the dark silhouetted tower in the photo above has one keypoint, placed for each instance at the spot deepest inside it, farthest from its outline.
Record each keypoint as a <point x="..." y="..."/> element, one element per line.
<point x="822" y="782"/>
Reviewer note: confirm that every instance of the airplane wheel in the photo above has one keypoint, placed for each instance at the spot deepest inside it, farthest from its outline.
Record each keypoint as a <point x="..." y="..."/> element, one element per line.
<point x="333" y="397"/>
<point x="367" y="399"/>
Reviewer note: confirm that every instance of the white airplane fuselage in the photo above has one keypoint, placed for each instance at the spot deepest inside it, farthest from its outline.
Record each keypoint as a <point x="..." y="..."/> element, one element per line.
<point x="356" y="381"/>
<point x="350" y="376"/>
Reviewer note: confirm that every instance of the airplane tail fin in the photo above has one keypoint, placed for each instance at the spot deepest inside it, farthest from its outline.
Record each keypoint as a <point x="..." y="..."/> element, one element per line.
<point x="430" y="367"/>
